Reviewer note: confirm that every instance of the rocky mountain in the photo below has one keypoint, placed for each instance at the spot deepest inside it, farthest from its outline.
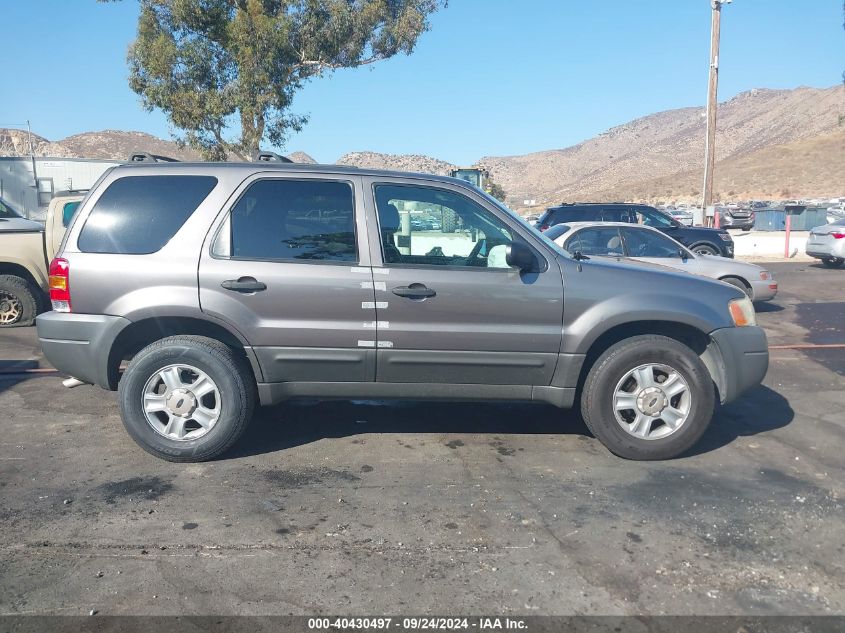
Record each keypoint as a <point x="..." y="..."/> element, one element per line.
<point x="106" y="144"/>
<point x="399" y="162"/>
<point x="667" y="143"/>
<point x="806" y="168"/>
<point x="302" y="157"/>
<point x="768" y="141"/>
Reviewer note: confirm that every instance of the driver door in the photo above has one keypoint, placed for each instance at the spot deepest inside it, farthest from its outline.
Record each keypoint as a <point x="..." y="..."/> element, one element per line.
<point x="448" y="307"/>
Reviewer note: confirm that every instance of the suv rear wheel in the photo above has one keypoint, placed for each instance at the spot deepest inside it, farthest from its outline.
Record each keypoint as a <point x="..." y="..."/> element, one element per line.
<point x="186" y="398"/>
<point x="648" y="397"/>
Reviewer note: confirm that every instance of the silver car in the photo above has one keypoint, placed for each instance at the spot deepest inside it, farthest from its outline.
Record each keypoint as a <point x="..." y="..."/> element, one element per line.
<point x="681" y="215"/>
<point x="643" y="243"/>
<point x="827" y="243"/>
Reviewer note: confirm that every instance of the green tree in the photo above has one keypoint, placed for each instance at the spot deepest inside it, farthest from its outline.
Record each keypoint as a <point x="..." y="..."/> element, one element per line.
<point x="496" y="190"/>
<point x="212" y="65"/>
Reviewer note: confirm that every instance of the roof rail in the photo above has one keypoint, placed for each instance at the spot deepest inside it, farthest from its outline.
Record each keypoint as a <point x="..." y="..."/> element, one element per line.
<point x="146" y="157"/>
<point x="269" y="157"/>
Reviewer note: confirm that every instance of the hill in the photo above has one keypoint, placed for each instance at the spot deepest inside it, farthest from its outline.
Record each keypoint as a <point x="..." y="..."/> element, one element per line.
<point x="768" y="142"/>
<point x="672" y="142"/>
<point x="106" y="144"/>
<point x="400" y="162"/>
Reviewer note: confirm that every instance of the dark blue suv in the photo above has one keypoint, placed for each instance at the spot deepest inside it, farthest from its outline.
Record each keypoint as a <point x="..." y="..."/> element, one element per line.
<point x="701" y="240"/>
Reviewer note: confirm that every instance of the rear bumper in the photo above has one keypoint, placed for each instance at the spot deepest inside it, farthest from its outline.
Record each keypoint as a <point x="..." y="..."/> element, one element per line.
<point x="764" y="290"/>
<point x="823" y="251"/>
<point x="79" y="344"/>
<point x="738" y="359"/>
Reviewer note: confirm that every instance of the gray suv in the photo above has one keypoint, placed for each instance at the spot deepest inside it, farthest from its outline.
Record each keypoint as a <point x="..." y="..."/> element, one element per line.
<point x="226" y="285"/>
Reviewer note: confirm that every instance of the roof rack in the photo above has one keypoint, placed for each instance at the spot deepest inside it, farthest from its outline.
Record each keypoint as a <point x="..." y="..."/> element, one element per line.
<point x="146" y="157"/>
<point x="269" y="157"/>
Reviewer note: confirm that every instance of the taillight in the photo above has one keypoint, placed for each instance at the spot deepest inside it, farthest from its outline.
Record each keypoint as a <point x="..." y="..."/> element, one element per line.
<point x="838" y="236"/>
<point x="544" y="227"/>
<point x="59" y="282"/>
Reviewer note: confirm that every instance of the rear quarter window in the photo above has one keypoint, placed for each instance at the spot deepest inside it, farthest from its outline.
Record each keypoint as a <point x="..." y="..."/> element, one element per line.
<point x="138" y="215"/>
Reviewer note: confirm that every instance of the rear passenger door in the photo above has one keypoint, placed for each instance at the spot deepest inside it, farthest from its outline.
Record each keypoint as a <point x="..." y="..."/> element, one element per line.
<point x="288" y="266"/>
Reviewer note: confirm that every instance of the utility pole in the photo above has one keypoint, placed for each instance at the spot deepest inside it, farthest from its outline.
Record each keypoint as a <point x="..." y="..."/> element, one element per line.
<point x="712" y="88"/>
<point x="34" y="173"/>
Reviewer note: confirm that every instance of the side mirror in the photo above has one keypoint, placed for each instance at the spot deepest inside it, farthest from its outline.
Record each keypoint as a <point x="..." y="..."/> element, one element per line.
<point x="683" y="254"/>
<point x="520" y="256"/>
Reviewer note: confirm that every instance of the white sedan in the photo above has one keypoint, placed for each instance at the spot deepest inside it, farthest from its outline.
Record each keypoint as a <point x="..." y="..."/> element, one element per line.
<point x="643" y="243"/>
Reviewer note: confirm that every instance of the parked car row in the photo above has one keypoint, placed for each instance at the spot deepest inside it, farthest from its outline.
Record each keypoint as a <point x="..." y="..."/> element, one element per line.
<point x="700" y="240"/>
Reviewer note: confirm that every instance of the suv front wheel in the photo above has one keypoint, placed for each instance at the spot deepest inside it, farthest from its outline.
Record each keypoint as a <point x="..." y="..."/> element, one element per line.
<point x="648" y="397"/>
<point x="186" y="398"/>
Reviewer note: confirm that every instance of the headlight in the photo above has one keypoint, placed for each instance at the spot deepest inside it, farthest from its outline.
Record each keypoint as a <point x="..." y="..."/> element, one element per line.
<point x="765" y="275"/>
<point x="742" y="312"/>
<point x="725" y="236"/>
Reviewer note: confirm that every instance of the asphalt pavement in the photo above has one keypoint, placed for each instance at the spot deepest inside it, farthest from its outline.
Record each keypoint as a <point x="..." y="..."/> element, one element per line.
<point x="448" y="508"/>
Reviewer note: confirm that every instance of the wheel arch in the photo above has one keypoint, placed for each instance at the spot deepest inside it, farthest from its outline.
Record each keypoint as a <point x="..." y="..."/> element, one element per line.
<point x="749" y="288"/>
<point x="698" y="243"/>
<point x="134" y="337"/>
<point x="19" y="270"/>
<point x="697" y="340"/>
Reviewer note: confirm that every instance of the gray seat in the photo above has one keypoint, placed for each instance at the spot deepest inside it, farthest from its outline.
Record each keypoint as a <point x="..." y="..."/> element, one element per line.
<point x="390" y="223"/>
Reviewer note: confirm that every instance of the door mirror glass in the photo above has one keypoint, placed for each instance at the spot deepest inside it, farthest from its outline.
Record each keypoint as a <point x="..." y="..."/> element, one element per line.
<point x="519" y="256"/>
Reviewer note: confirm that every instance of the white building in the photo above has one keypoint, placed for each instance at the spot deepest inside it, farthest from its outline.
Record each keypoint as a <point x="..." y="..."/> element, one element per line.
<point x="30" y="193"/>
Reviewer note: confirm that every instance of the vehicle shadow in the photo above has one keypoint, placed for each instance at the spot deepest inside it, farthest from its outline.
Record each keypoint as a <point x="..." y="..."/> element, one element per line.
<point x="301" y="422"/>
<point x="767" y="306"/>
<point x="760" y="410"/>
<point x="13" y="372"/>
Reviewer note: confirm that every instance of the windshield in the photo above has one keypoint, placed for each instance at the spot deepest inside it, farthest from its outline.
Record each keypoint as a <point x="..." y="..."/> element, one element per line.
<point x="8" y="212"/>
<point x="501" y="205"/>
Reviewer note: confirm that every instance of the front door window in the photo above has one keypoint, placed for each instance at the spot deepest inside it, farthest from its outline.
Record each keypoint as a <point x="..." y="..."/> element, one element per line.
<point x="424" y="226"/>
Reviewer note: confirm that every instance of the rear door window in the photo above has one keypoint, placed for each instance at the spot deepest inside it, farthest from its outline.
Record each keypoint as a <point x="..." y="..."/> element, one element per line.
<point x="138" y="215"/>
<point x="577" y="214"/>
<point x="300" y="220"/>
<point x="616" y="214"/>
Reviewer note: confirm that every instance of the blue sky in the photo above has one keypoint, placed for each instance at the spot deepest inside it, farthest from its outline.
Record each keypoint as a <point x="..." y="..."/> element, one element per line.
<point x="492" y="77"/>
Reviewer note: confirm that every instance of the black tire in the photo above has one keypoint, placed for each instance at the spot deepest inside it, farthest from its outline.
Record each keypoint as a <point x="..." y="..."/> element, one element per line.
<point x="609" y="369"/>
<point x="18" y="301"/>
<point x="739" y="283"/>
<point x="705" y="249"/>
<point x="228" y="370"/>
<point x="449" y="221"/>
<point x="833" y="262"/>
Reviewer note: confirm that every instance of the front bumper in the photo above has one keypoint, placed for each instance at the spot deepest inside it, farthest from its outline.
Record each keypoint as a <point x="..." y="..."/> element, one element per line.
<point x="738" y="359"/>
<point x="79" y="344"/>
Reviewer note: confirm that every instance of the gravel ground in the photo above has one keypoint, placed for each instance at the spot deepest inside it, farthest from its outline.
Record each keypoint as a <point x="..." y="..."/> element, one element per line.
<point x="375" y="507"/>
